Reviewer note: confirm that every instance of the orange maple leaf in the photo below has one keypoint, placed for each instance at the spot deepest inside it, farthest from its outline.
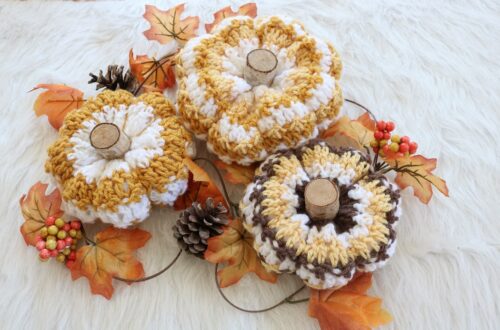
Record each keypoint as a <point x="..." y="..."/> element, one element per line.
<point x="248" y="9"/>
<point x="237" y="174"/>
<point x="235" y="248"/>
<point x="359" y="130"/>
<point x="200" y="187"/>
<point x="56" y="102"/>
<point x="152" y="74"/>
<point x="111" y="255"/>
<point x="348" y="308"/>
<point x="416" y="172"/>
<point x="36" y="207"/>
<point x="168" y="25"/>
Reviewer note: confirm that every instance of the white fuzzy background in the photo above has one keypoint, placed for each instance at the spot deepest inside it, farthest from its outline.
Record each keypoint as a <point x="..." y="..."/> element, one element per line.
<point x="431" y="66"/>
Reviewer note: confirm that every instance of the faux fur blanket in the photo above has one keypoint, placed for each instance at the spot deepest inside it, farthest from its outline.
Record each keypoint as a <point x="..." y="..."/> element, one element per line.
<point x="433" y="67"/>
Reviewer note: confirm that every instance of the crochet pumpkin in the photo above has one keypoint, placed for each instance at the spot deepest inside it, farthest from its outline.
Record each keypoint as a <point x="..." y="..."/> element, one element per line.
<point x="320" y="213"/>
<point x="117" y="155"/>
<point x="253" y="87"/>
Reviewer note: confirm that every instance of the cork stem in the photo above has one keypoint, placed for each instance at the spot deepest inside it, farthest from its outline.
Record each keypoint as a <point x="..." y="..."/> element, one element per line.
<point x="321" y="199"/>
<point x="261" y="67"/>
<point x="109" y="140"/>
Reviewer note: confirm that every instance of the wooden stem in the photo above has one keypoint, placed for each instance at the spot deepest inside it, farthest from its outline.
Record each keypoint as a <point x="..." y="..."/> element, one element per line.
<point x="261" y="67"/>
<point x="321" y="199"/>
<point x="109" y="140"/>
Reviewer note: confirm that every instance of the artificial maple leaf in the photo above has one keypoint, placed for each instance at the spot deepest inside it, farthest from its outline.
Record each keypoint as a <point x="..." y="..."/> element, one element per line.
<point x="235" y="248"/>
<point x="56" y="102"/>
<point x="416" y="172"/>
<point x="248" y="9"/>
<point x="200" y="187"/>
<point x="152" y="74"/>
<point x="111" y="255"/>
<point x="359" y="130"/>
<point x="348" y="308"/>
<point x="36" y="207"/>
<point x="237" y="174"/>
<point x="168" y="25"/>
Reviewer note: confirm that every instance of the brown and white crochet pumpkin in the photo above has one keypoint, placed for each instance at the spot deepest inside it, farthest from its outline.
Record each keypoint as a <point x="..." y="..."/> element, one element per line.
<point x="299" y="225"/>
<point x="255" y="86"/>
<point x="117" y="155"/>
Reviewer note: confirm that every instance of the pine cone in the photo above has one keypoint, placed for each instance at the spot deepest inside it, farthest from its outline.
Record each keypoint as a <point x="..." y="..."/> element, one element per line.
<point x="197" y="224"/>
<point x="114" y="79"/>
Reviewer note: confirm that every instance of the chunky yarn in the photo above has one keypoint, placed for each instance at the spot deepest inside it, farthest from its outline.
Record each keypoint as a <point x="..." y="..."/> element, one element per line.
<point x="324" y="255"/>
<point x="120" y="191"/>
<point x="245" y="124"/>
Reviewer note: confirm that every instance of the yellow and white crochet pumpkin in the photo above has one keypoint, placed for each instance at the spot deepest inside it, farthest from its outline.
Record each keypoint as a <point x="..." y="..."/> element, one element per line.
<point x="325" y="253"/>
<point x="243" y="121"/>
<point x="120" y="189"/>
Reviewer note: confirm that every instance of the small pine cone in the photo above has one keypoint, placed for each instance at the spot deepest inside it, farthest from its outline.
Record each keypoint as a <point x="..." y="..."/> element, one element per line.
<point x="197" y="224"/>
<point x="114" y="79"/>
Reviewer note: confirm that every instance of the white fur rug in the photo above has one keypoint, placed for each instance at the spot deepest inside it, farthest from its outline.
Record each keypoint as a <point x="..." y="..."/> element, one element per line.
<point x="432" y="67"/>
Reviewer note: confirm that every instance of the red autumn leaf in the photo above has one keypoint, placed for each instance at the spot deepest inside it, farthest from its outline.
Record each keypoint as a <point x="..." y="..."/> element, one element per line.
<point x="416" y="172"/>
<point x="56" y="102"/>
<point x="36" y="207"/>
<point x="237" y="174"/>
<point x="235" y="248"/>
<point x="152" y="74"/>
<point x="167" y="25"/>
<point x="359" y="130"/>
<point x="112" y="255"/>
<point x="200" y="187"/>
<point x="248" y="9"/>
<point x="348" y="308"/>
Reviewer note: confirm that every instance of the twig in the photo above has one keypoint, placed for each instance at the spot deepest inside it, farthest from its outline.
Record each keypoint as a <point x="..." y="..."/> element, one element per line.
<point x="233" y="207"/>
<point x="88" y="241"/>
<point x="287" y="299"/>
<point x="154" y="69"/>
<point x="375" y="159"/>
<point x="147" y="278"/>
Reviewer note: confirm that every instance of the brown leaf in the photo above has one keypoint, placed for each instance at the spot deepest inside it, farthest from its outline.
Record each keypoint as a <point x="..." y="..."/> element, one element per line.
<point x="152" y="74"/>
<point x="237" y="174"/>
<point x="360" y="130"/>
<point x="348" y="308"/>
<point x="168" y="25"/>
<point x="235" y="248"/>
<point x="416" y="172"/>
<point x="112" y="255"/>
<point x="200" y="187"/>
<point x="248" y="9"/>
<point x="36" y="207"/>
<point x="56" y="102"/>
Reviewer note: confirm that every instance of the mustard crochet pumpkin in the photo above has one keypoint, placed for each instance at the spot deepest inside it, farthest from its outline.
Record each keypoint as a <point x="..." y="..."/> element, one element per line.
<point x="242" y="112"/>
<point x="119" y="185"/>
<point x="326" y="252"/>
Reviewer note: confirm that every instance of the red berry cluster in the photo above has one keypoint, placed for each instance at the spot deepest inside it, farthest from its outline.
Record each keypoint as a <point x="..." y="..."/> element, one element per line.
<point x="385" y="144"/>
<point x="58" y="239"/>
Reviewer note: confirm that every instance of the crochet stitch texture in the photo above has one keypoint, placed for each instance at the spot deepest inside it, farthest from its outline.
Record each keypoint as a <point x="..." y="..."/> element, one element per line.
<point x="245" y="124"/>
<point x="324" y="255"/>
<point x="120" y="191"/>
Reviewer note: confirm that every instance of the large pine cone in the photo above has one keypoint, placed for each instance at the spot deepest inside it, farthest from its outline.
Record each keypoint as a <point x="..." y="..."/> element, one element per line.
<point x="197" y="224"/>
<point x="114" y="79"/>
